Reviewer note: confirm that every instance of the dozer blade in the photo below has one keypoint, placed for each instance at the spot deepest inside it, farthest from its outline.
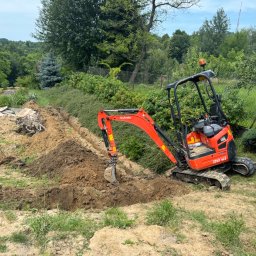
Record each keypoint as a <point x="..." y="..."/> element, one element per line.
<point x="110" y="174"/>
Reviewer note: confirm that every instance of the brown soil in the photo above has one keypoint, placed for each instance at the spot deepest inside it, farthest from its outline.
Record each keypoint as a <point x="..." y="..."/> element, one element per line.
<point x="79" y="167"/>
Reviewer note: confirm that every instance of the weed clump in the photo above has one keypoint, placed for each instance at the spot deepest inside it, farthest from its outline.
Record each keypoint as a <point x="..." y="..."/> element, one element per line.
<point x="117" y="218"/>
<point x="162" y="214"/>
<point x="228" y="231"/>
<point x="19" y="237"/>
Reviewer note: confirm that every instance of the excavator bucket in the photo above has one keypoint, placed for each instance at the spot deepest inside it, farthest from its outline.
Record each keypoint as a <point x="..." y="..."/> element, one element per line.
<point x="110" y="174"/>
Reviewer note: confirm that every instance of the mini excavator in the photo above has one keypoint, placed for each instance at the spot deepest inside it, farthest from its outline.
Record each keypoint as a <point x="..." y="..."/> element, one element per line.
<point x="203" y="149"/>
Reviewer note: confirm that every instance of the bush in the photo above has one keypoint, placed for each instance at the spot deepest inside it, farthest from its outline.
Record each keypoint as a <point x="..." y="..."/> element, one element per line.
<point x="233" y="106"/>
<point x="132" y="147"/>
<point x="249" y="140"/>
<point x="28" y="81"/>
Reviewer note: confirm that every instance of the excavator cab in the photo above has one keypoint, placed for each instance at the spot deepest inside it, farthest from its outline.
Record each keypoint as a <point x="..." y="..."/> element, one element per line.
<point x="206" y="139"/>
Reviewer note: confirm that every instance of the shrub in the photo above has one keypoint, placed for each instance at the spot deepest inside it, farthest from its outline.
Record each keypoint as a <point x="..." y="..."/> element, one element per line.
<point x="132" y="147"/>
<point x="249" y="139"/>
<point x="233" y="106"/>
<point x="28" y="81"/>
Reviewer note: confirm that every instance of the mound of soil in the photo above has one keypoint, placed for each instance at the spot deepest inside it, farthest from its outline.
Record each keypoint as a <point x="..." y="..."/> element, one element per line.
<point x="82" y="183"/>
<point x="67" y="157"/>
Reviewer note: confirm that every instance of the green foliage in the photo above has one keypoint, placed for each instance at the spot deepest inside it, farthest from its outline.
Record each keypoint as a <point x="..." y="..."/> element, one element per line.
<point x="20" y="59"/>
<point x="106" y="89"/>
<point x="132" y="147"/>
<point x="228" y="232"/>
<point x="70" y="28"/>
<point x="157" y="106"/>
<point x="113" y="72"/>
<point x="247" y="72"/>
<point x="213" y="33"/>
<point x="28" y="81"/>
<point x="117" y="218"/>
<point x="179" y="45"/>
<point x="121" y="25"/>
<point x="249" y="140"/>
<point x="5" y="68"/>
<point x="49" y="72"/>
<point x="162" y="214"/>
<point x="233" y="105"/>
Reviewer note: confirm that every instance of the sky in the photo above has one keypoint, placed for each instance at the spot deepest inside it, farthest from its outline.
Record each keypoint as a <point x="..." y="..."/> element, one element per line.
<point x="17" y="17"/>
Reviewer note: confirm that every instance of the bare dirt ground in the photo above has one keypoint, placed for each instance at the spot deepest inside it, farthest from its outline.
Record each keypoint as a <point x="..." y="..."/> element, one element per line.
<point x="63" y="169"/>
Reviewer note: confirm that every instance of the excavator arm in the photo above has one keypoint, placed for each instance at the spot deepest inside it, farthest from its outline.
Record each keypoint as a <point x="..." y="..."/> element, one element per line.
<point x="136" y="117"/>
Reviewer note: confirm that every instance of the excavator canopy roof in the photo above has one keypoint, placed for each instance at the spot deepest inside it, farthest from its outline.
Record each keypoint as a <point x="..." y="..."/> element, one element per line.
<point x="195" y="78"/>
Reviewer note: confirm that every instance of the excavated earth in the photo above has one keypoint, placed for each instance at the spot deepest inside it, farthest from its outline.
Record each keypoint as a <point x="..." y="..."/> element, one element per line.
<point x="75" y="159"/>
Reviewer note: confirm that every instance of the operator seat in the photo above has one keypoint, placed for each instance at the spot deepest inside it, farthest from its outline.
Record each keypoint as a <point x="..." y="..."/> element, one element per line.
<point x="209" y="130"/>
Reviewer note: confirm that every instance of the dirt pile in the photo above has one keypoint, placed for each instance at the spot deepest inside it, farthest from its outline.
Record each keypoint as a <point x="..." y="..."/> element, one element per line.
<point x="82" y="184"/>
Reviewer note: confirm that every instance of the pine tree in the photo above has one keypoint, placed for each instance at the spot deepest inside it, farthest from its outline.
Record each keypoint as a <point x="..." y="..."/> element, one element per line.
<point x="49" y="72"/>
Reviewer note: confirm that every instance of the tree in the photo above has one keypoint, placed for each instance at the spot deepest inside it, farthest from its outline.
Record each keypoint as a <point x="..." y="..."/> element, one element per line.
<point x="153" y="9"/>
<point x="49" y="72"/>
<point x="5" y="68"/>
<point x="121" y="26"/>
<point x="213" y="33"/>
<point x="179" y="45"/>
<point x="70" y="28"/>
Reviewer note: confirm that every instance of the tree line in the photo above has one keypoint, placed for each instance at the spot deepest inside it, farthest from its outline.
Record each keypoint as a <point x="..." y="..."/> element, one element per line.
<point x="118" y="33"/>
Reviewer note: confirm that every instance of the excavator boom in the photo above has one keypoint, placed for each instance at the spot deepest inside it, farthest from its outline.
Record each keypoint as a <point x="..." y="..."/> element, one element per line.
<point x="137" y="117"/>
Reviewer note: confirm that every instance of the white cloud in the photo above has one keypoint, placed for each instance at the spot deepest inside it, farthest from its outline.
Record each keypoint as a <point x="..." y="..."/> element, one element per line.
<point x="19" y="6"/>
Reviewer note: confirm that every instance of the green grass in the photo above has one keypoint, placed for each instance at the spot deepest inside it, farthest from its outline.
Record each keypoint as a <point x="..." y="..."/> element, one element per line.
<point x="228" y="231"/>
<point x="162" y="214"/>
<point x="3" y="246"/>
<point x="19" y="238"/>
<point x="129" y="242"/>
<point x="200" y="217"/>
<point x="117" y="218"/>
<point x="62" y="222"/>
<point x="10" y="215"/>
<point x="11" y="179"/>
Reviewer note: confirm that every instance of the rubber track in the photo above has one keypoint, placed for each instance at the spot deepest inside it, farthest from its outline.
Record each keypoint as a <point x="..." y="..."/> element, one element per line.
<point x="244" y="161"/>
<point x="211" y="177"/>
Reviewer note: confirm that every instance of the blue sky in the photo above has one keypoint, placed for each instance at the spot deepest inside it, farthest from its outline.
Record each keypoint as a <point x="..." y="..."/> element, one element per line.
<point x="17" y="17"/>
